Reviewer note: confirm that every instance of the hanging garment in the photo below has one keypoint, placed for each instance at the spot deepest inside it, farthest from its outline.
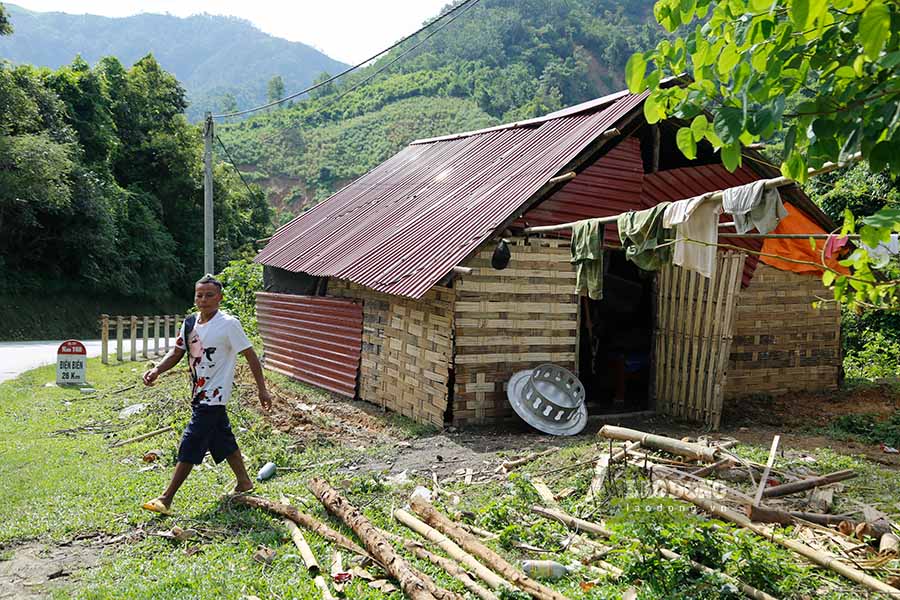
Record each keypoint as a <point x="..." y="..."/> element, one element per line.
<point x="882" y="254"/>
<point x="587" y="256"/>
<point x="695" y="219"/>
<point x="834" y="244"/>
<point x="797" y="222"/>
<point x="752" y="205"/>
<point x="641" y="233"/>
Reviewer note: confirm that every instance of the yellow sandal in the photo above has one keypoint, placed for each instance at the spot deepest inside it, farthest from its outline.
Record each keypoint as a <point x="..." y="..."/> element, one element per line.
<point x="156" y="505"/>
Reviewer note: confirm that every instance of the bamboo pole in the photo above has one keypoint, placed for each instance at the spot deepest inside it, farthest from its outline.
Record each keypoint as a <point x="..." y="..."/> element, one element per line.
<point x="671" y="334"/>
<point x="143" y="437"/>
<point x="731" y="302"/>
<point x="706" y="342"/>
<point x="104" y="339"/>
<point x="805" y="484"/>
<point x="410" y="581"/>
<point x="820" y="558"/>
<point x="306" y="553"/>
<point x="304" y="520"/>
<point x="120" y="332"/>
<point x="661" y="325"/>
<point x="470" y="543"/>
<point x="512" y="464"/>
<point x="684" y="377"/>
<point x="696" y="344"/>
<point x="765" y="474"/>
<point x="717" y="196"/>
<point x="659" y="442"/>
<point x="145" y="326"/>
<point x="337" y="567"/>
<point x="452" y="569"/>
<point x="451" y="548"/>
<point x="597" y="529"/>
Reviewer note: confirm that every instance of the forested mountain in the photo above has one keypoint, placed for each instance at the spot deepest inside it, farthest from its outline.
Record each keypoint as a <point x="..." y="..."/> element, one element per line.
<point x="502" y="60"/>
<point x="101" y="186"/>
<point x="220" y="61"/>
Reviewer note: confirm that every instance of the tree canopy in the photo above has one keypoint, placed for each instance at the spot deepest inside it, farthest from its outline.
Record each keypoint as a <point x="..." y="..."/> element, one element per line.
<point x="101" y="186"/>
<point x="820" y="76"/>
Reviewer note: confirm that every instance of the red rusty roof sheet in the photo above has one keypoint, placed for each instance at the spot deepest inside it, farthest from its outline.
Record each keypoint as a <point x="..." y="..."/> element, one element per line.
<point x="404" y="225"/>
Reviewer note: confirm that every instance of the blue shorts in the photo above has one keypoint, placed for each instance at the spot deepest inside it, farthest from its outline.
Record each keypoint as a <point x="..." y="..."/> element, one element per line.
<point x="209" y="429"/>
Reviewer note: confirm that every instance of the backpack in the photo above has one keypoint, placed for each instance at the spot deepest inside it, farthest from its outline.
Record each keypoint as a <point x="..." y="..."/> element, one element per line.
<point x="189" y="323"/>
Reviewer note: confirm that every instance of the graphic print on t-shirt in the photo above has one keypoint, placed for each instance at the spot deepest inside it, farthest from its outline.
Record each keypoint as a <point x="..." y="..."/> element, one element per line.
<point x="212" y="353"/>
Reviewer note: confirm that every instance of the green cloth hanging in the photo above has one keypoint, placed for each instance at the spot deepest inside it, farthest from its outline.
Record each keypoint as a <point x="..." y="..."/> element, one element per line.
<point x="641" y="232"/>
<point x="587" y="256"/>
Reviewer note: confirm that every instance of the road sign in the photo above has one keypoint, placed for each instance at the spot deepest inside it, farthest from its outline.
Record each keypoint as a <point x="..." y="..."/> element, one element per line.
<point x="70" y="362"/>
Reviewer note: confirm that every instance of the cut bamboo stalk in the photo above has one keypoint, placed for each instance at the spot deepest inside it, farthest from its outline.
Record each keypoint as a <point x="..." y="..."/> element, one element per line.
<point x="712" y="362"/>
<point x="337" y="567"/>
<point x="684" y="377"/>
<point x="822" y="519"/>
<point x="513" y="464"/>
<point x="319" y="581"/>
<point x="805" y="484"/>
<point x="410" y="581"/>
<point x="545" y="493"/>
<point x="598" y="529"/>
<point x="451" y="548"/>
<point x="889" y="545"/>
<point x="452" y="569"/>
<point x="659" y="442"/>
<point x="661" y="324"/>
<point x="306" y="553"/>
<point x="304" y="520"/>
<point x="725" y="353"/>
<point x="696" y="344"/>
<point x="671" y="334"/>
<point x="471" y="544"/>
<point x="143" y="437"/>
<point x="820" y="558"/>
<point x="705" y="343"/>
<point x="679" y="342"/>
<point x="765" y="476"/>
<point x="713" y="467"/>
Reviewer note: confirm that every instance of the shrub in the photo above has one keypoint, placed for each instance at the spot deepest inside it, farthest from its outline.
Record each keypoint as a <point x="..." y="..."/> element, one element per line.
<point x="242" y="279"/>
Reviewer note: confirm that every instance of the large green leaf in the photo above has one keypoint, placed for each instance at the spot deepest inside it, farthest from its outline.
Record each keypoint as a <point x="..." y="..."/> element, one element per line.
<point x="685" y="140"/>
<point x="799" y="10"/>
<point x="635" y="69"/>
<point x="729" y="124"/>
<point x="874" y="28"/>
<point x="731" y="156"/>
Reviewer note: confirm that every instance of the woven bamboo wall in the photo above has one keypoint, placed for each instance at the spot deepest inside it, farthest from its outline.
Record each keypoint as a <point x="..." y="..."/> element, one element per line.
<point x="406" y="350"/>
<point x="781" y="343"/>
<point x="511" y="320"/>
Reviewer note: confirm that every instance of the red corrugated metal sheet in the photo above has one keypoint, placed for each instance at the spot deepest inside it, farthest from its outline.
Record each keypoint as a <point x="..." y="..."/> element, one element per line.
<point x="404" y="225"/>
<point x="311" y="338"/>
<point x="676" y="184"/>
<point x="610" y="186"/>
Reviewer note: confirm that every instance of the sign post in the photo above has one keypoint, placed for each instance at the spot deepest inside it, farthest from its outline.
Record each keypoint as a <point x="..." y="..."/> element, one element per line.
<point x="71" y="359"/>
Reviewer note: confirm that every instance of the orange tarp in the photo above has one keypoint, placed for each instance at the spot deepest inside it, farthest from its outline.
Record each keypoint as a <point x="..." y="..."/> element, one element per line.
<point x="797" y="222"/>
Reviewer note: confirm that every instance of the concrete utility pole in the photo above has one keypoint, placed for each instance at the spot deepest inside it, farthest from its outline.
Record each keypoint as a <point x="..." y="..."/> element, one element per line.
<point x="208" y="230"/>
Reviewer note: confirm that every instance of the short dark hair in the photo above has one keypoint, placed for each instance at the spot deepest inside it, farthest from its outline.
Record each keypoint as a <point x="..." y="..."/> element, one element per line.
<point x="209" y="279"/>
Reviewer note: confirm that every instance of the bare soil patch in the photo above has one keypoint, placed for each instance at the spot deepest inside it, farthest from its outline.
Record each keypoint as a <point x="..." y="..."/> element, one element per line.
<point x="34" y="569"/>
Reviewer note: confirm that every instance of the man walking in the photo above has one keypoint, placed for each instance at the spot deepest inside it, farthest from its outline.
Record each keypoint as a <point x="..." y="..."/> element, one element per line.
<point x="213" y="340"/>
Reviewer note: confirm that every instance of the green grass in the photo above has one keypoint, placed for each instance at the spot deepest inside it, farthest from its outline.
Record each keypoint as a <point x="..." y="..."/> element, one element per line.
<point x="58" y="486"/>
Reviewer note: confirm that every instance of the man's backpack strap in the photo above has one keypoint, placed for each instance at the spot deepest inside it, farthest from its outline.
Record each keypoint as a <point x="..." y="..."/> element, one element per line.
<point x="189" y="323"/>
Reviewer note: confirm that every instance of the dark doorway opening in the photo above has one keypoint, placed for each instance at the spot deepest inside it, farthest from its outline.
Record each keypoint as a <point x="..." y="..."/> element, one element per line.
<point x="616" y="339"/>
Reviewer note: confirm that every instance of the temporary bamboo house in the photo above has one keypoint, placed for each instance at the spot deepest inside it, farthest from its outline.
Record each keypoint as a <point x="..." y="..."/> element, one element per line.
<point x="386" y="291"/>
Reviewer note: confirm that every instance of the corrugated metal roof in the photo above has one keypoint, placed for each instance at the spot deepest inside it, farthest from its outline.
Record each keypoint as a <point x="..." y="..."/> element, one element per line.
<point x="404" y="225"/>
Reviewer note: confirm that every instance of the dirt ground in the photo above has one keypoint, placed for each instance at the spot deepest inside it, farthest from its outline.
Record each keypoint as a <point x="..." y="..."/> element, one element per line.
<point x="34" y="569"/>
<point x="752" y="420"/>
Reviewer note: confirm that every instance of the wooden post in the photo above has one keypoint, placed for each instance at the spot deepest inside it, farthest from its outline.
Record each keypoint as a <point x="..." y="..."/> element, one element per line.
<point x="167" y="332"/>
<point x="145" y="326"/>
<point x="133" y="337"/>
<point x="156" y="335"/>
<point x="104" y="339"/>
<point x="120" y="332"/>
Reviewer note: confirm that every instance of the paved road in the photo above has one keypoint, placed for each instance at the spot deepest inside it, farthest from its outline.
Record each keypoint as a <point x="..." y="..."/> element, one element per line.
<point x="18" y="357"/>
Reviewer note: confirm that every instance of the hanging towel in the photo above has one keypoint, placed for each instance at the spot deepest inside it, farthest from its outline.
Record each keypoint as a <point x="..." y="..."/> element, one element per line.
<point x="587" y="256"/>
<point x="694" y="219"/>
<point x="752" y="205"/>
<point x="641" y="232"/>
<point x="834" y="244"/>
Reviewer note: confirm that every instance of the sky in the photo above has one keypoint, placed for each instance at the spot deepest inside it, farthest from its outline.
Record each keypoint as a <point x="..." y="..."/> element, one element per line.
<point x="346" y="30"/>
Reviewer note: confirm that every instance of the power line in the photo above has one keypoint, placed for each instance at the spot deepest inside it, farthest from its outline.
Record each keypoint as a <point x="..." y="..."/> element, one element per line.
<point x="234" y="166"/>
<point x="328" y="100"/>
<point x="453" y="10"/>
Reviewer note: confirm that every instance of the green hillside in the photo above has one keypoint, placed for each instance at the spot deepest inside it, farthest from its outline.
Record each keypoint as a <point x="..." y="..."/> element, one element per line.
<point x="501" y="61"/>
<point x="218" y="60"/>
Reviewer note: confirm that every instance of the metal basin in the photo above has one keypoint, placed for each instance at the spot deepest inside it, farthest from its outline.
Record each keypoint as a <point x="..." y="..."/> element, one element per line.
<point x="549" y="398"/>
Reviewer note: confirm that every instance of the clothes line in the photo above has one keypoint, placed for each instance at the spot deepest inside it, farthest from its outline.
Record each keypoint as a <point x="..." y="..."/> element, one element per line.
<point x="711" y="197"/>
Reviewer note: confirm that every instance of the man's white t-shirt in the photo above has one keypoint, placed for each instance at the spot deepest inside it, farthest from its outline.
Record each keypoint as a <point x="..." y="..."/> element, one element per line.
<point x="214" y="347"/>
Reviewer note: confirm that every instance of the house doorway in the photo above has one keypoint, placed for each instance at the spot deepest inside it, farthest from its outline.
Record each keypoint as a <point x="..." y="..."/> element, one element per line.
<point x="616" y="339"/>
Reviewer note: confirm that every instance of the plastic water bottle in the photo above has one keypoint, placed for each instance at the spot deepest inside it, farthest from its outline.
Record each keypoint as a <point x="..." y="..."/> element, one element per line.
<point x="266" y="472"/>
<point x="548" y="569"/>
